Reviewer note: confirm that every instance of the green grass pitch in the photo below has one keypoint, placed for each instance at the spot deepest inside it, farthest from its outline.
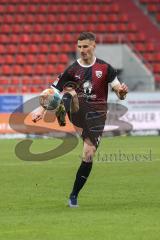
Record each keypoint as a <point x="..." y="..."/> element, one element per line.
<point x="121" y="200"/>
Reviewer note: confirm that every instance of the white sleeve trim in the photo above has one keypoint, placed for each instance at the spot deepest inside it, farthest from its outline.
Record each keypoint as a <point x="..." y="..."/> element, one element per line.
<point x="115" y="82"/>
<point x="52" y="86"/>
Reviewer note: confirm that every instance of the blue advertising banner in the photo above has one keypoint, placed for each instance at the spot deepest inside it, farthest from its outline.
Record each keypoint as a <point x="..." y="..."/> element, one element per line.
<point x="10" y="103"/>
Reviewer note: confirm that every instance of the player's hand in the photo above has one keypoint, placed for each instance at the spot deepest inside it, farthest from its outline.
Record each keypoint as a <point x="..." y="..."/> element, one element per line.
<point x="38" y="115"/>
<point x="122" y="91"/>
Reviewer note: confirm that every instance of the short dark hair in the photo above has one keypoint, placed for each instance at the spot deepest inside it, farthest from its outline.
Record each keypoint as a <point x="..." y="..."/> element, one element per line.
<point x="87" y="35"/>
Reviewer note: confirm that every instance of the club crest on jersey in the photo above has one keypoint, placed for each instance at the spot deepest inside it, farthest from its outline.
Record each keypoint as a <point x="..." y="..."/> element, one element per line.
<point x="99" y="74"/>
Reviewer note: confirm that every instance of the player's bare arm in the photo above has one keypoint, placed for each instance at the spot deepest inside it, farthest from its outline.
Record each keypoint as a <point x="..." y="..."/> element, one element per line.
<point x="38" y="114"/>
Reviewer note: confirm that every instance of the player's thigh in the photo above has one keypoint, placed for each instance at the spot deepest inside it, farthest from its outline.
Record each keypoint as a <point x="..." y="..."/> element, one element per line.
<point x="88" y="150"/>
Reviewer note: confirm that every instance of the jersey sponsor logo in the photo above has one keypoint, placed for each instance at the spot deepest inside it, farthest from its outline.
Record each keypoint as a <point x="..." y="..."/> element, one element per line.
<point x="99" y="74"/>
<point x="88" y="90"/>
<point x="87" y="86"/>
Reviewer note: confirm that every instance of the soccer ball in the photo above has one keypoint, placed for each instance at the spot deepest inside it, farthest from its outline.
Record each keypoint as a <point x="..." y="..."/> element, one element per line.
<point x="50" y="98"/>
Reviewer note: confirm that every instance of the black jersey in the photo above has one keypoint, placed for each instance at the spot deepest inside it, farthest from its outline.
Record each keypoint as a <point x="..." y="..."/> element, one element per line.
<point x="90" y="82"/>
<point x="91" y="85"/>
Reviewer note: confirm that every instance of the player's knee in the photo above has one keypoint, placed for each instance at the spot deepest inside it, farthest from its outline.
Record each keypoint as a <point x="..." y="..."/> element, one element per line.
<point x="89" y="154"/>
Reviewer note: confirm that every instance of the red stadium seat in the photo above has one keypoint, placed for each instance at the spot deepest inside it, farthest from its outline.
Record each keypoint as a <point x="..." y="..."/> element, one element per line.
<point x="94" y="8"/>
<point x="14" y="38"/>
<point x="20" y="18"/>
<point x="33" y="48"/>
<point x="54" y="48"/>
<point x="63" y="58"/>
<point x="2" y="49"/>
<point x="48" y="28"/>
<point x="69" y="38"/>
<point x="17" y="70"/>
<point x="52" y="58"/>
<point x="35" y="89"/>
<point x="102" y="18"/>
<point x="157" y="57"/>
<point x="4" y="38"/>
<point x="149" y="57"/>
<point x="37" y="81"/>
<point x="21" y="8"/>
<point x="36" y="38"/>
<point x="150" y="47"/>
<point x="13" y="89"/>
<point x="9" y="59"/>
<point x="59" y="28"/>
<point x="42" y="8"/>
<point x="131" y="37"/>
<point x="2" y="8"/>
<point x="28" y="70"/>
<point x="6" y="28"/>
<point x="15" y="81"/>
<point x="152" y="8"/>
<point x="23" y="48"/>
<point x="17" y="28"/>
<point x="51" y="18"/>
<point x="42" y="58"/>
<point x="8" y="18"/>
<point x="26" y="81"/>
<point x="51" y="69"/>
<point x="31" y="18"/>
<point x="38" y="28"/>
<point x="111" y="28"/>
<point x="114" y="8"/>
<point x="39" y="69"/>
<point x="31" y="58"/>
<point x="92" y="18"/>
<point x="122" y="28"/>
<point x="57" y="38"/>
<point x="2" y="89"/>
<point x="105" y="9"/>
<point x="60" y="68"/>
<point x="12" y="49"/>
<point x="123" y="18"/>
<point x="43" y="48"/>
<point x="113" y="18"/>
<point x="156" y="68"/>
<point x="23" y="38"/>
<point x="20" y="59"/>
<point x="132" y="27"/>
<point x="101" y="27"/>
<point x="6" y="70"/>
<point x="140" y="37"/>
<point x="140" y="47"/>
<point x="158" y="17"/>
<point x="81" y="18"/>
<point x="66" y="48"/>
<point x="25" y="89"/>
<point x="73" y="18"/>
<point x="41" y="18"/>
<point x="10" y="8"/>
<point x="32" y="8"/>
<point x="4" y="81"/>
<point x="27" y="28"/>
<point x="53" y="8"/>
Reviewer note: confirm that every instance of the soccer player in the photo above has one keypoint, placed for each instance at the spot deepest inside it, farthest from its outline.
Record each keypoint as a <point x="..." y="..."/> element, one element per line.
<point x="88" y="77"/>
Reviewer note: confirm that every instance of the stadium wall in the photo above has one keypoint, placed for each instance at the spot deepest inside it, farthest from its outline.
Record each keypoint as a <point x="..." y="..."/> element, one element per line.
<point x="141" y="110"/>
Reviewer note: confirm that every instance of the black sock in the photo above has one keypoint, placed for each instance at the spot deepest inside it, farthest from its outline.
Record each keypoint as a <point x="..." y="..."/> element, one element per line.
<point x="81" y="177"/>
<point x="67" y="100"/>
